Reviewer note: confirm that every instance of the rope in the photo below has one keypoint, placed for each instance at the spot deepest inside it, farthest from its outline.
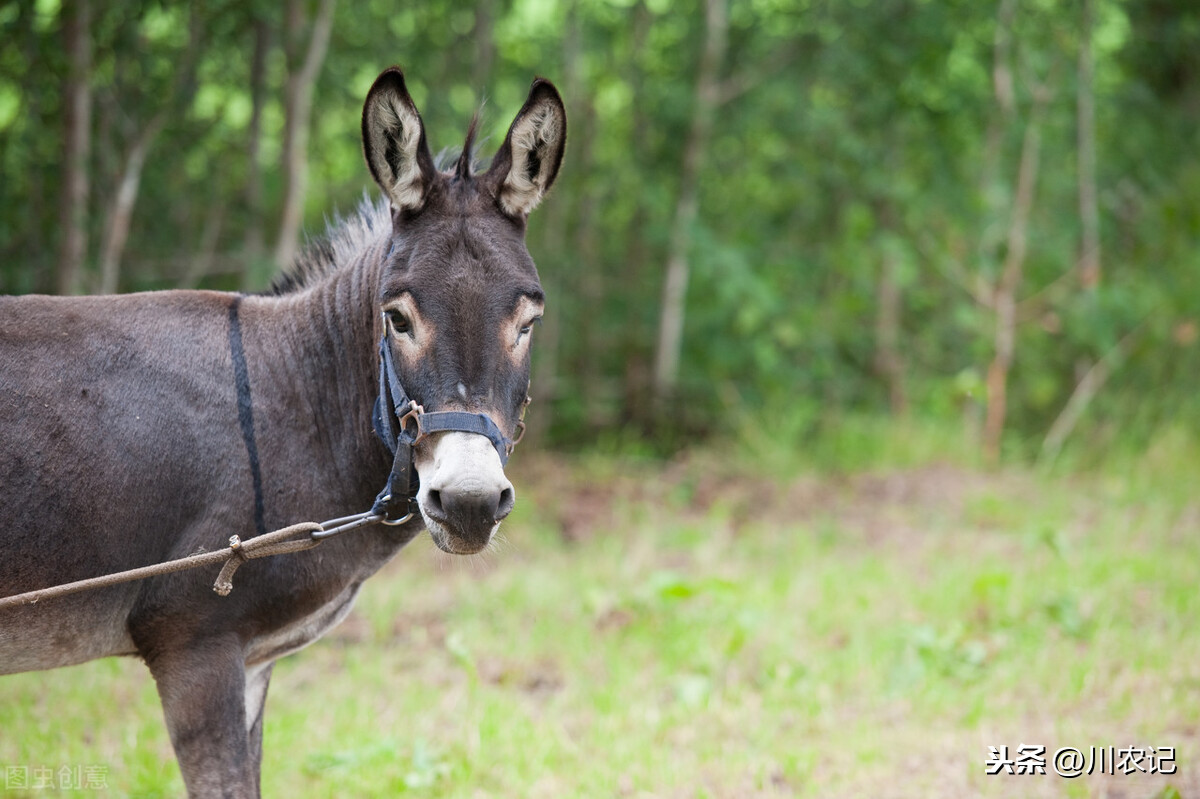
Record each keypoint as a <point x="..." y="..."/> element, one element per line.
<point x="278" y="542"/>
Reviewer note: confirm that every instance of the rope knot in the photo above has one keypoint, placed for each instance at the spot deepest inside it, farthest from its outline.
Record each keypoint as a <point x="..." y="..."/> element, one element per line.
<point x="262" y="546"/>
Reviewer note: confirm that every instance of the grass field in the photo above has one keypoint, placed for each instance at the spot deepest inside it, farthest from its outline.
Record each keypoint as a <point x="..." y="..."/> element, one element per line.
<point x="695" y="630"/>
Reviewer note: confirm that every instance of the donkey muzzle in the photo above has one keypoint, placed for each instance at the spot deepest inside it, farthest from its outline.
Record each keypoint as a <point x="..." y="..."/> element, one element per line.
<point x="464" y="494"/>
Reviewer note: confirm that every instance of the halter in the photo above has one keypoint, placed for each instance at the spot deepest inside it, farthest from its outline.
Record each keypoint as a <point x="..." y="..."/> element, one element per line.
<point x="395" y="412"/>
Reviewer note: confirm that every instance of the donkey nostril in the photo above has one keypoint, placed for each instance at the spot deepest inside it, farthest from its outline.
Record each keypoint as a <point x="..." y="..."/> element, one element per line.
<point x="433" y="502"/>
<point x="470" y="509"/>
<point x="507" y="500"/>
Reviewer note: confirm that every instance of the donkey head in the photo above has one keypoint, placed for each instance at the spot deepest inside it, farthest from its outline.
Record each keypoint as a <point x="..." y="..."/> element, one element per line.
<point x="459" y="294"/>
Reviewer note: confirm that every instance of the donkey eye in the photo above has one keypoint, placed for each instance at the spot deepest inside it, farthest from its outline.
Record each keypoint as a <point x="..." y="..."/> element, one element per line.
<point x="400" y="323"/>
<point x="527" y="329"/>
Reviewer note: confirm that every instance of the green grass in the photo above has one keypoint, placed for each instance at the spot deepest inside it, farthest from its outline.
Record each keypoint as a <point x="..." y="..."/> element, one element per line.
<point x="692" y="630"/>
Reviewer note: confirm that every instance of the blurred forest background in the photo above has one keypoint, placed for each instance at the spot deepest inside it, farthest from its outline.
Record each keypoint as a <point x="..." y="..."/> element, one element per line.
<point x="776" y="216"/>
<point x="897" y="257"/>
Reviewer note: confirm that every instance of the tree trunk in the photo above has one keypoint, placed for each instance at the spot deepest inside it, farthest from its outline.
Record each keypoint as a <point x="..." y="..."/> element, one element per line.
<point x="889" y="363"/>
<point x="298" y="95"/>
<point x="255" y="242"/>
<point x="77" y="120"/>
<point x="203" y="262"/>
<point x="1002" y="77"/>
<point x="633" y="335"/>
<point x="1005" y="295"/>
<point x="1085" y="391"/>
<point x="485" y="44"/>
<point x="704" y="104"/>
<point x="31" y="216"/>
<point x="1089" y="214"/>
<point x="1002" y="87"/>
<point x="545" y="380"/>
<point x="121" y="213"/>
<point x="590" y="288"/>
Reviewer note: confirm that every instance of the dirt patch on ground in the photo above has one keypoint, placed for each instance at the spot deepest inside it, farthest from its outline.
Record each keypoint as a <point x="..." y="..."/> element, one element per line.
<point x="878" y="506"/>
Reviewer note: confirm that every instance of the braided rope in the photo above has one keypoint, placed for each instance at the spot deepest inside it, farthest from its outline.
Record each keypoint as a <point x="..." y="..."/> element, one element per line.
<point x="278" y="542"/>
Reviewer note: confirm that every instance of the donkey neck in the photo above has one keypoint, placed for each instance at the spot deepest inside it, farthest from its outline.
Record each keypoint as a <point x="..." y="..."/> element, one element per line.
<point x="314" y="369"/>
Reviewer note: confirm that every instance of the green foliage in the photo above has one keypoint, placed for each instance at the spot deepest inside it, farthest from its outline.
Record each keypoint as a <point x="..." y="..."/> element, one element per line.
<point x="847" y="135"/>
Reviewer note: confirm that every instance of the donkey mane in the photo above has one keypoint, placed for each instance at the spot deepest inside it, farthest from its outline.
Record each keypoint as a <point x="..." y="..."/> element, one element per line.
<point x="347" y="236"/>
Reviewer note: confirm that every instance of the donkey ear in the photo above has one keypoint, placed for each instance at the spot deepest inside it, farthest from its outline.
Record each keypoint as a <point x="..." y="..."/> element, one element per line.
<point x="528" y="160"/>
<point x="394" y="143"/>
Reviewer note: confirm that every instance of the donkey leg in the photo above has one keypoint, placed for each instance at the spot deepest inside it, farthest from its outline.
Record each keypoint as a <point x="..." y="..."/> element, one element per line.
<point x="258" y="679"/>
<point x="202" y="688"/>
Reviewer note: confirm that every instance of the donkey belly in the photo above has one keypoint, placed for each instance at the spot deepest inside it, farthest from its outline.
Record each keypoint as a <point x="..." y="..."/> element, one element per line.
<point x="303" y="631"/>
<point x="65" y="631"/>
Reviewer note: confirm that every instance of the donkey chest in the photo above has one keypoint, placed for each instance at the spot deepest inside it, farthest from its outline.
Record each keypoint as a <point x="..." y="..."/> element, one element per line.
<point x="302" y="631"/>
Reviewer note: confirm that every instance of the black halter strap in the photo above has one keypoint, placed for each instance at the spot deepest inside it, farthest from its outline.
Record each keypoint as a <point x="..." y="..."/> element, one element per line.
<point x="395" y="412"/>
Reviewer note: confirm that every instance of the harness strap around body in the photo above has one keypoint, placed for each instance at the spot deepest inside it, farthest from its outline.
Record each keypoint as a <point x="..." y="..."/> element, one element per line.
<point x="245" y="408"/>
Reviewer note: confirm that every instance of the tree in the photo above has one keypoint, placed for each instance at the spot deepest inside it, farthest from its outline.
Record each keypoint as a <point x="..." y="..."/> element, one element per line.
<point x="793" y="211"/>
<point x="303" y="67"/>
<point x="1089" y="211"/>
<point x="141" y="138"/>
<point x="77" y="123"/>
<point x="704" y="106"/>
<point x="254" y="241"/>
<point x="1004" y="293"/>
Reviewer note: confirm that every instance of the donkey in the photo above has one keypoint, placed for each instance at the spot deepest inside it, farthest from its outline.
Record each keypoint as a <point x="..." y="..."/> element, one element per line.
<point x="139" y="428"/>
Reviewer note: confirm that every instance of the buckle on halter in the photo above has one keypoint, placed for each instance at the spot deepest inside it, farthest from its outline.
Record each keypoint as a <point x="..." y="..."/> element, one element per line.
<point x="415" y="412"/>
<point x="520" y="428"/>
<point x="511" y="445"/>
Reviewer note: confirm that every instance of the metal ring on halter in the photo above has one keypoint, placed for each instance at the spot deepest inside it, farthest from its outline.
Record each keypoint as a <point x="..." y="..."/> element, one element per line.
<point x="401" y="520"/>
<point x="415" y="412"/>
